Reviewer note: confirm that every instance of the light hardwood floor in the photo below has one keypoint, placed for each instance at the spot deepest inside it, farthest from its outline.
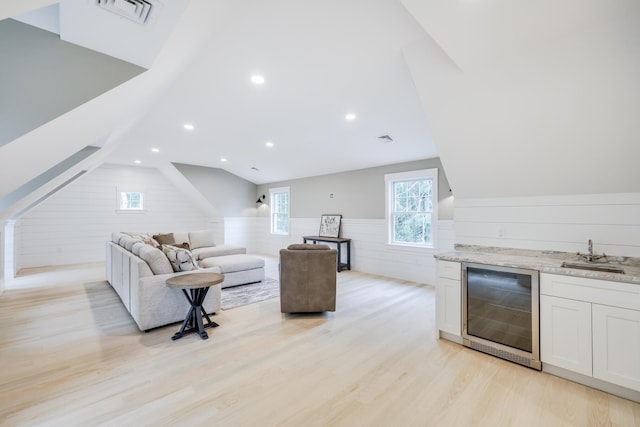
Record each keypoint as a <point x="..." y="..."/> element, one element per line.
<point x="71" y="355"/>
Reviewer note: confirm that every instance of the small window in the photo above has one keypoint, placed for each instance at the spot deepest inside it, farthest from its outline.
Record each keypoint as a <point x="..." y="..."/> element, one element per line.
<point x="412" y="199"/>
<point x="130" y="201"/>
<point x="279" y="210"/>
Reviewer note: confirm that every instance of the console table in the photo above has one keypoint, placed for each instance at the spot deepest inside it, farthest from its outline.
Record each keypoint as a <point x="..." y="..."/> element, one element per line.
<point x="339" y="241"/>
<point x="198" y="285"/>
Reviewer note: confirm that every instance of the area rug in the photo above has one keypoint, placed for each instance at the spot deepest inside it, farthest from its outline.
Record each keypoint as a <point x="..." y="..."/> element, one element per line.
<point x="236" y="296"/>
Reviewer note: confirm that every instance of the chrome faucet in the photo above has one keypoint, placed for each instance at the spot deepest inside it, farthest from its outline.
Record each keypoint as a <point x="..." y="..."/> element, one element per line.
<point x="591" y="257"/>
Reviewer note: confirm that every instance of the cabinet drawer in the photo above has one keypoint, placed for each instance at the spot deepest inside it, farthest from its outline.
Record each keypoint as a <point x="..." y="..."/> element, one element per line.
<point x="449" y="270"/>
<point x="617" y="294"/>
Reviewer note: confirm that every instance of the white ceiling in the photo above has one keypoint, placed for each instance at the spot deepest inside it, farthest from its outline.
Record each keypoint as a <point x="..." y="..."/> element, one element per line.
<point x="321" y="60"/>
<point x="496" y="80"/>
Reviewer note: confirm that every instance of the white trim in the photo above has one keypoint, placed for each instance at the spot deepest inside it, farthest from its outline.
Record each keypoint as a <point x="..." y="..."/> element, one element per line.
<point x="406" y="176"/>
<point x="120" y="209"/>
<point x="272" y="192"/>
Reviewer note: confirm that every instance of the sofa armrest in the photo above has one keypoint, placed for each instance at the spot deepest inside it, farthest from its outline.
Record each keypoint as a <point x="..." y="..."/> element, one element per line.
<point x="154" y="304"/>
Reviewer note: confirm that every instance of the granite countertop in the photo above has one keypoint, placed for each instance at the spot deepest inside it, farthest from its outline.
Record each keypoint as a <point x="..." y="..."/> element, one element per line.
<point x="545" y="262"/>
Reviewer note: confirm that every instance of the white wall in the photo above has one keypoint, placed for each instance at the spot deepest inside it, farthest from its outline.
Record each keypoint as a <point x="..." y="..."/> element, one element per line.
<point x="71" y="226"/>
<point x="562" y="223"/>
<point x="369" y="251"/>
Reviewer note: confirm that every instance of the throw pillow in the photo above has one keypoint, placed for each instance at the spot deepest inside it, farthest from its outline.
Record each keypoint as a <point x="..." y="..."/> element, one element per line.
<point x="201" y="239"/>
<point x="148" y="239"/>
<point x="180" y="259"/>
<point x="165" y="239"/>
<point x="183" y="245"/>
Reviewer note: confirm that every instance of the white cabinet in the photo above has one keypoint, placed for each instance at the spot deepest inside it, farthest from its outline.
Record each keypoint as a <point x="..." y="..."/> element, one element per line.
<point x="449" y="299"/>
<point x="616" y="345"/>
<point x="565" y="333"/>
<point x="591" y="327"/>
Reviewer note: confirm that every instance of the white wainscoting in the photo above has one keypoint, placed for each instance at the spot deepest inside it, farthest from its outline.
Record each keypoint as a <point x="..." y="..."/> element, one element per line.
<point x="562" y="223"/>
<point x="369" y="251"/>
<point x="72" y="225"/>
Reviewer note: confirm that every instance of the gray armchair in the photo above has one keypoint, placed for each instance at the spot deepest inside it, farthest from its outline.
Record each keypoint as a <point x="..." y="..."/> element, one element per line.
<point x="307" y="278"/>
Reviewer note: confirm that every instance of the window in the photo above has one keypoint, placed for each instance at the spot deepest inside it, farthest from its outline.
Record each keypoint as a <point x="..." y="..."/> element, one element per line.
<point x="412" y="207"/>
<point x="279" y="210"/>
<point x="130" y="201"/>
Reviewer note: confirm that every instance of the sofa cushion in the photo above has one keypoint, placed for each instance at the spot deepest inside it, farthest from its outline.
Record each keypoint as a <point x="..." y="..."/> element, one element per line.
<point x="201" y="239"/>
<point x="181" y="236"/>
<point x="164" y="239"/>
<point x="127" y="242"/>
<point x="180" y="259"/>
<point x="214" y="251"/>
<point x="136" y="248"/>
<point x="116" y="236"/>
<point x="233" y="263"/>
<point x="307" y="247"/>
<point x="156" y="259"/>
<point x="148" y="239"/>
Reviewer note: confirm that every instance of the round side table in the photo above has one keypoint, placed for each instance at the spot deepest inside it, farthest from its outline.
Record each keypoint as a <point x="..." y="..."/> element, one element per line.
<point x="198" y="285"/>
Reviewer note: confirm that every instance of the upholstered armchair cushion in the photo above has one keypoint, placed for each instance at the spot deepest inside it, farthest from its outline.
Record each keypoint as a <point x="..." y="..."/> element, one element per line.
<point x="307" y="278"/>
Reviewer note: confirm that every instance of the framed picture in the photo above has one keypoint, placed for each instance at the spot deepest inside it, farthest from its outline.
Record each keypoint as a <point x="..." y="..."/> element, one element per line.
<point x="330" y="225"/>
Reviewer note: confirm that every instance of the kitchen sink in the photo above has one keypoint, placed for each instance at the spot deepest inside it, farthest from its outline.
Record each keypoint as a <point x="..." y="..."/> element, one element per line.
<point x="592" y="267"/>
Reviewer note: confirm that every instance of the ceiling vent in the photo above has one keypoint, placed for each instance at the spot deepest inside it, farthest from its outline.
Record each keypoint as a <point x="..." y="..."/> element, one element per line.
<point x="134" y="10"/>
<point x="385" y="138"/>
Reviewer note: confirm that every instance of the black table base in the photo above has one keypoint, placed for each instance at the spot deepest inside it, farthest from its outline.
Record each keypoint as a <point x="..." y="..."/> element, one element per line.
<point x="339" y="242"/>
<point x="193" y="321"/>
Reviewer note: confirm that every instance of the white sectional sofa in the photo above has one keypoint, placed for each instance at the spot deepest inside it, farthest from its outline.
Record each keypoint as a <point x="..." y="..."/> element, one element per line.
<point x="138" y="271"/>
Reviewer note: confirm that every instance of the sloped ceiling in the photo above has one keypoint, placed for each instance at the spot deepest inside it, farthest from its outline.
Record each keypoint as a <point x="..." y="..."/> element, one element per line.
<point x="109" y="114"/>
<point x="520" y="98"/>
<point x="531" y="98"/>
<point x="43" y="77"/>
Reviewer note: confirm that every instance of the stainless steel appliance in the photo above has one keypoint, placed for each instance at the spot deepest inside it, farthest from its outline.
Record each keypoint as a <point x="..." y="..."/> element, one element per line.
<point x="500" y="312"/>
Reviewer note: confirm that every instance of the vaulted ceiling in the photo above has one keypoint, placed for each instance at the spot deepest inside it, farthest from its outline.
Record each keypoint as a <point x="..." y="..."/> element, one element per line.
<point x="517" y="98"/>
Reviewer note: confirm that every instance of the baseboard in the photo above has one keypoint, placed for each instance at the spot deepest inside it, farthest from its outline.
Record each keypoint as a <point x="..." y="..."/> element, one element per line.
<point x="450" y="337"/>
<point x="592" y="382"/>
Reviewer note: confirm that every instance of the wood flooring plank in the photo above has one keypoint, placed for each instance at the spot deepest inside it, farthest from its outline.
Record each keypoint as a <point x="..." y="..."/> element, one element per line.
<point x="71" y="355"/>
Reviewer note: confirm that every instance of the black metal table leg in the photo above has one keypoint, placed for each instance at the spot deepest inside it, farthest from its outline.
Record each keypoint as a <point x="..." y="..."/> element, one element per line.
<point x="193" y="321"/>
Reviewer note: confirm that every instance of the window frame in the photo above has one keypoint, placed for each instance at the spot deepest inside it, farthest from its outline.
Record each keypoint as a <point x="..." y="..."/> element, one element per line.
<point x="392" y="178"/>
<point x="273" y="192"/>
<point x="120" y="209"/>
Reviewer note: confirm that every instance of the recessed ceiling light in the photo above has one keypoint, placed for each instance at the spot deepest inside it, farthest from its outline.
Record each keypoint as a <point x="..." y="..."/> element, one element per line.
<point x="137" y="162"/>
<point x="350" y="116"/>
<point x="189" y="126"/>
<point x="269" y="144"/>
<point x="257" y="79"/>
<point x="223" y="159"/>
<point x="155" y="150"/>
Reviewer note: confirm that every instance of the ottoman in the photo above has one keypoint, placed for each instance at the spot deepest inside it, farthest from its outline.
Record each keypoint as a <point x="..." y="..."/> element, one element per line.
<point x="237" y="269"/>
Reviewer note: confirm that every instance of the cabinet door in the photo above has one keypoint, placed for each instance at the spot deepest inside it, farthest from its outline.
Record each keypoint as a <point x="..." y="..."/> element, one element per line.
<point x="448" y="305"/>
<point x="565" y="333"/>
<point x="616" y="345"/>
